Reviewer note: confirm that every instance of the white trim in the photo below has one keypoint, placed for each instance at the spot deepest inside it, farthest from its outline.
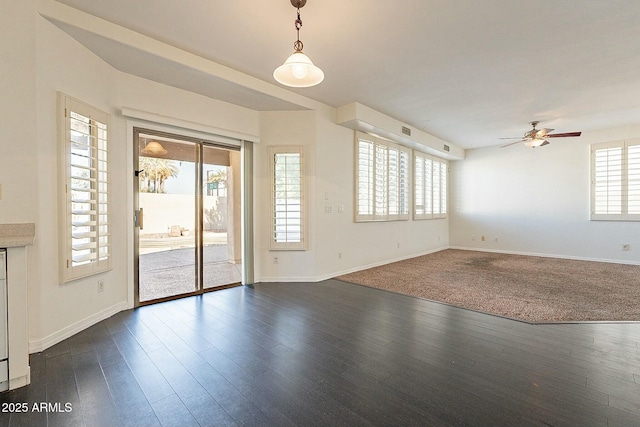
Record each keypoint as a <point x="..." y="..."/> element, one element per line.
<point x="543" y="255"/>
<point x="625" y="182"/>
<point x="303" y="243"/>
<point x="391" y="181"/>
<point x="351" y="270"/>
<point x="36" y="346"/>
<point x="402" y="258"/>
<point x="98" y="216"/>
<point x="193" y="129"/>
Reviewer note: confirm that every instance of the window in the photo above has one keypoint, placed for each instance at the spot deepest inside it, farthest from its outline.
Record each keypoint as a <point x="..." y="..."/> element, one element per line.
<point x="288" y="228"/>
<point x="382" y="180"/>
<point x="430" y="200"/>
<point x="615" y="181"/>
<point x="84" y="209"/>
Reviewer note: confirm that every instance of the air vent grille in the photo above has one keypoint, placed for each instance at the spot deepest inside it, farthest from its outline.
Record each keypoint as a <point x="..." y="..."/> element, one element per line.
<point x="406" y="130"/>
<point x="446" y="147"/>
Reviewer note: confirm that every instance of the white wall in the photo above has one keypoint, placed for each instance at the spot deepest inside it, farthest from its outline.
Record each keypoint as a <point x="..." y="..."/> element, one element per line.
<point x="45" y="60"/>
<point x="337" y="244"/>
<point x="361" y="245"/>
<point x="283" y="128"/>
<point x="18" y="170"/>
<point x="536" y="201"/>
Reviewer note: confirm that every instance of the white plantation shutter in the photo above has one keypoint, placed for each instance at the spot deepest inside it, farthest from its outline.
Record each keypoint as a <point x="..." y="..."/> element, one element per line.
<point x="633" y="180"/>
<point x="382" y="180"/>
<point x="364" y="178"/>
<point x="430" y="198"/>
<point x="288" y="231"/>
<point x="404" y="183"/>
<point x="615" y="181"/>
<point x="84" y="241"/>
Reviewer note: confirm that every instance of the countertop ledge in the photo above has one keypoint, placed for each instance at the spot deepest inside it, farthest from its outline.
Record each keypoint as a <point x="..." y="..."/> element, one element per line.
<point x="13" y="235"/>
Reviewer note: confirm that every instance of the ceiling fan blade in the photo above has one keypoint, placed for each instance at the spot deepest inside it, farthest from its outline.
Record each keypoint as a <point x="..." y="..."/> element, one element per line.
<point x="563" y="135"/>
<point x="512" y="143"/>
<point x="512" y="137"/>
<point x="544" y="143"/>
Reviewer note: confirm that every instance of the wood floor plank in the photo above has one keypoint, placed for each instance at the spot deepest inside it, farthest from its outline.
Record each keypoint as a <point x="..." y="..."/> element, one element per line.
<point x="171" y="412"/>
<point x="99" y="409"/>
<point x="151" y="381"/>
<point x="131" y="404"/>
<point x="333" y="353"/>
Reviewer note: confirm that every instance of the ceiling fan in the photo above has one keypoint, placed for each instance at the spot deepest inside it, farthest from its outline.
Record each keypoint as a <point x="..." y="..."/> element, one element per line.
<point x="538" y="137"/>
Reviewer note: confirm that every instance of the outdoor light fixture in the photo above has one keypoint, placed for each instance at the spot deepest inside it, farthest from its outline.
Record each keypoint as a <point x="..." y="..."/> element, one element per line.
<point x="298" y="70"/>
<point x="153" y="147"/>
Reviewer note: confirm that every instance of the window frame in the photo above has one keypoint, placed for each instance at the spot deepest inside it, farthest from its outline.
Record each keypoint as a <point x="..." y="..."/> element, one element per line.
<point x="303" y="243"/>
<point x="91" y="215"/>
<point x="431" y="188"/>
<point x="386" y="195"/>
<point x="628" y="181"/>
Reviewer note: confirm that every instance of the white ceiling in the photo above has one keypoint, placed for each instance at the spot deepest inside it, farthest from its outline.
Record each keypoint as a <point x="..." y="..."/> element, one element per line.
<point x="466" y="71"/>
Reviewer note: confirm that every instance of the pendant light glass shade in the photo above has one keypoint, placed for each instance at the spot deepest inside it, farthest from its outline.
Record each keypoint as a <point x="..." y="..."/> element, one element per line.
<point x="298" y="71"/>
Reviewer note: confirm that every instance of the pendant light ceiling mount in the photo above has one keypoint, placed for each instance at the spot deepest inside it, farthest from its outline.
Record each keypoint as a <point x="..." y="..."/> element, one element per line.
<point x="298" y="70"/>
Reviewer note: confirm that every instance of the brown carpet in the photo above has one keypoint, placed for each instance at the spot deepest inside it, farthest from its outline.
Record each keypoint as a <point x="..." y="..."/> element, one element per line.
<point x="529" y="288"/>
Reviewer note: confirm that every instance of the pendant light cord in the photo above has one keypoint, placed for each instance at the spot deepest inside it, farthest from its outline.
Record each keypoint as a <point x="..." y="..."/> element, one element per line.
<point x="297" y="45"/>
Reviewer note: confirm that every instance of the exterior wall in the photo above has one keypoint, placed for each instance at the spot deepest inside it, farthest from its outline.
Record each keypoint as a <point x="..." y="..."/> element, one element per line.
<point x="163" y="211"/>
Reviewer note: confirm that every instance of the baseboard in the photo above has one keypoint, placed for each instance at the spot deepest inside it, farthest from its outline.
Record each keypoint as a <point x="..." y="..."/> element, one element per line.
<point x="288" y="279"/>
<point x="37" y="346"/>
<point x="314" y="279"/>
<point x="577" y="258"/>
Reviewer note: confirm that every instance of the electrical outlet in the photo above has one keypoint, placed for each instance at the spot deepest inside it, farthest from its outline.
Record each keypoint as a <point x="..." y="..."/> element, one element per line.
<point x="339" y="255"/>
<point x="626" y="247"/>
<point x="483" y="238"/>
<point x="495" y="239"/>
<point x="275" y="259"/>
<point x="100" y="285"/>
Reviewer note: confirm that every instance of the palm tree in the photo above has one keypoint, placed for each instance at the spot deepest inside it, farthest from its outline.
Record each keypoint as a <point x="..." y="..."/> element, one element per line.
<point x="219" y="176"/>
<point x="154" y="172"/>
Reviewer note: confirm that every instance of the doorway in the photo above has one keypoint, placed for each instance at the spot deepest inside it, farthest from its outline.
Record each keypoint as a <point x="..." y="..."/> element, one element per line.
<point x="187" y="203"/>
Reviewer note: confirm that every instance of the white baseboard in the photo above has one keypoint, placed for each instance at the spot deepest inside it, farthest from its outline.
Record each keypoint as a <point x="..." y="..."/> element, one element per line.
<point x="577" y="258"/>
<point x="385" y="262"/>
<point x="38" y="345"/>
<point x="351" y="270"/>
<point x="402" y="258"/>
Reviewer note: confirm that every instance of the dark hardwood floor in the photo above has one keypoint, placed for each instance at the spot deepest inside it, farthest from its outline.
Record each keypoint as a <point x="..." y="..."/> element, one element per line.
<point x="330" y="353"/>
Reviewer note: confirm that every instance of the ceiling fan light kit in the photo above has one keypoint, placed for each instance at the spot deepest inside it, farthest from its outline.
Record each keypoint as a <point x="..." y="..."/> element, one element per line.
<point x="538" y="137"/>
<point x="298" y="70"/>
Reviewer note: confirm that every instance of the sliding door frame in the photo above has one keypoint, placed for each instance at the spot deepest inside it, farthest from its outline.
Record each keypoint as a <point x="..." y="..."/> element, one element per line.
<point x="245" y="148"/>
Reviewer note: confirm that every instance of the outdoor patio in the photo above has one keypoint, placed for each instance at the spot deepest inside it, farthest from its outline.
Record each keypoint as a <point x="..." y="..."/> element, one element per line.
<point x="167" y="265"/>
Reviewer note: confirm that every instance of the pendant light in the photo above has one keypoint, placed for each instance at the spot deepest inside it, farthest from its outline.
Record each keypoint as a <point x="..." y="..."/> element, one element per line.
<point x="153" y="148"/>
<point x="298" y="70"/>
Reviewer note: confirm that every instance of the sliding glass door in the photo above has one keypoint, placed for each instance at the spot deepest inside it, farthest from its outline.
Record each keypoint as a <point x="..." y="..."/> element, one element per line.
<point x="187" y="212"/>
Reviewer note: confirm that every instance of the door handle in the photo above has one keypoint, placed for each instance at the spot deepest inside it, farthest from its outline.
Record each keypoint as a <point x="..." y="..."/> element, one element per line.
<point x="138" y="218"/>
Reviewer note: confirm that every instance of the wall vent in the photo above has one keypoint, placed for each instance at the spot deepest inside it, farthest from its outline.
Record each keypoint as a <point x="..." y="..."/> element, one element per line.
<point x="406" y="130"/>
<point x="446" y="147"/>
